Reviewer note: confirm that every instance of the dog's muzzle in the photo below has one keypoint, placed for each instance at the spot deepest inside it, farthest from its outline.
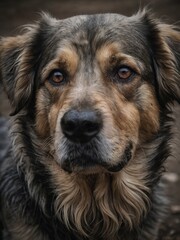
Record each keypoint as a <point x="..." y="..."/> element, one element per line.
<point x="83" y="143"/>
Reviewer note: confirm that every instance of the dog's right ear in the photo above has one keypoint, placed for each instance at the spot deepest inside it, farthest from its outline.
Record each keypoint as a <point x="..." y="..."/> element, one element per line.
<point x="15" y="71"/>
<point x="20" y="57"/>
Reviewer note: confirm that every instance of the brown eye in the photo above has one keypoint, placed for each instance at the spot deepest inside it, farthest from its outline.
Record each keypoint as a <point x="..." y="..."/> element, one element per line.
<point x="125" y="73"/>
<point x="56" y="77"/>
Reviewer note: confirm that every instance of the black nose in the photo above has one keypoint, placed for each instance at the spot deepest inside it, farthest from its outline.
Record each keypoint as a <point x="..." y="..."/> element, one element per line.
<point x="81" y="126"/>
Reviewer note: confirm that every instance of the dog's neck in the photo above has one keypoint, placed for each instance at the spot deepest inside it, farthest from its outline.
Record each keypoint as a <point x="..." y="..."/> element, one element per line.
<point x="84" y="201"/>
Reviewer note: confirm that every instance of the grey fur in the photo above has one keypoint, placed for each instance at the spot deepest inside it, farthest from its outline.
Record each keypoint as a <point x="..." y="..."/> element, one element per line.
<point x="30" y="189"/>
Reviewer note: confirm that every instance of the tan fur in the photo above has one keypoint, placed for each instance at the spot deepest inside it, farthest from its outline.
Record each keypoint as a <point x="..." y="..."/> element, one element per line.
<point x="81" y="207"/>
<point x="66" y="58"/>
<point x="112" y="53"/>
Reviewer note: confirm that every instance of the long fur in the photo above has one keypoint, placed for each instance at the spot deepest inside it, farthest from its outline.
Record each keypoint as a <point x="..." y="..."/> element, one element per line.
<point x="39" y="198"/>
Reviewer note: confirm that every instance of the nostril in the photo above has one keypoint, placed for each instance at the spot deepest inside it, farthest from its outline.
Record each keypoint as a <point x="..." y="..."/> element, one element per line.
<point x="68" y="127"/>
<point x="69" y="123"/>
<point x="91" y="128"/>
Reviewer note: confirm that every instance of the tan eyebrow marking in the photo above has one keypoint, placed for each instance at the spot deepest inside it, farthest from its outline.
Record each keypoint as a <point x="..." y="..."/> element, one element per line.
<point x="65" y="59"/>
<point x="112" y="54"/>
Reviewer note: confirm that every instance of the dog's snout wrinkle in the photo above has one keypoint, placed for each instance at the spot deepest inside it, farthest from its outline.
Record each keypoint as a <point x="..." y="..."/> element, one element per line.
<point x="81" y="126"/>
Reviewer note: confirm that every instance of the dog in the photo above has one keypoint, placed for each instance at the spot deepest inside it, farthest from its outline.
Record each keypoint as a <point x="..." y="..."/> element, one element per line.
<point x="90" y="126"/>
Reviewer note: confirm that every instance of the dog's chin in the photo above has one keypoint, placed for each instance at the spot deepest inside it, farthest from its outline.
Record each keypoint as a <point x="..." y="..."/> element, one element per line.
<point x="94" y="169"/>
<point x="88" y="165"/>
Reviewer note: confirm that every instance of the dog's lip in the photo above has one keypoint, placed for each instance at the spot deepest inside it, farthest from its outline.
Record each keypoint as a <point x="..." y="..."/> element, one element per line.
<point x="124" y="160"/>
<point x="95" y="166"/>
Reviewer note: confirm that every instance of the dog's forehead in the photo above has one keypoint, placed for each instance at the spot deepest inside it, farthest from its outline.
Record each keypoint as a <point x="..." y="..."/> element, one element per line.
<point x="106" y="26"/>
<point x="93" y="31"/>
<point x="85" y="35"/>
<point x="97" y="30"/>
<point x="92" y="22"/>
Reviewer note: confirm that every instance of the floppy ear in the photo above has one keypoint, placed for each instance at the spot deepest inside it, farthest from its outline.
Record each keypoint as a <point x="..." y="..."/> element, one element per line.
<point x="16" y="71"/>
<point x="19" y="63"/>
<point x="164" y="43"/>
<point x="168" y="63"/>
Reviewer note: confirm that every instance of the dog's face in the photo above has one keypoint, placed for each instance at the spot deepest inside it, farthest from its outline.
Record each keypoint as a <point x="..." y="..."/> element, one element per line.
<point x="95" y="86"/>
<point x="96" y="97"/>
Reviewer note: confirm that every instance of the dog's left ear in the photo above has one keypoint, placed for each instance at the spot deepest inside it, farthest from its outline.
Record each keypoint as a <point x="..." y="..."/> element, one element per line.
<point x="164" y="43"/>
<point x="168" y="63"/>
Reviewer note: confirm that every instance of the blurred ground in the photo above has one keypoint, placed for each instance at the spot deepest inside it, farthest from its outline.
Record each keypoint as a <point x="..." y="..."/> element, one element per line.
<point x="16" y="13"/>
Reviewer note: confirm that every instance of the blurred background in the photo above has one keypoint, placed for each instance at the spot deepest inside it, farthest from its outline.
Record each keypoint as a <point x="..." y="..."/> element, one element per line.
<point x="14" y="13"/>
<point x="17" y="12"/>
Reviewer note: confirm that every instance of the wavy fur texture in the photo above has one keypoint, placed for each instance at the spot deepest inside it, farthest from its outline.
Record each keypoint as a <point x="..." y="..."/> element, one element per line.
<point x="54" y="188"/>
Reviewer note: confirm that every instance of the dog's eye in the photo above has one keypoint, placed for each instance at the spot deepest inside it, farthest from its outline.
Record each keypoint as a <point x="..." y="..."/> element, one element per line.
<point x="56" y="77"/>
<point x="125" y="73"/>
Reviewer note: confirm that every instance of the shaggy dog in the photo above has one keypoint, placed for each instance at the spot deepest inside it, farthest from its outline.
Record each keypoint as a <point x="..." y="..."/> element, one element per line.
<point x="90" y="127"/>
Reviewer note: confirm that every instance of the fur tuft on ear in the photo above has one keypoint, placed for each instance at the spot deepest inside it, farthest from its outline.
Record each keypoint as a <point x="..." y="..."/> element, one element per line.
<point x="164" y="41"/>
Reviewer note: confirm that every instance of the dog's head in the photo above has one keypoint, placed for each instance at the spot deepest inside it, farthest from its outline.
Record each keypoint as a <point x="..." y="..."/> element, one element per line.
<point x="96" y="85"/>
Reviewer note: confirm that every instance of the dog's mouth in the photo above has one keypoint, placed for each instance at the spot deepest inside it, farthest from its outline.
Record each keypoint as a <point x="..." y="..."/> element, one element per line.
<point x="89" y="162"/>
